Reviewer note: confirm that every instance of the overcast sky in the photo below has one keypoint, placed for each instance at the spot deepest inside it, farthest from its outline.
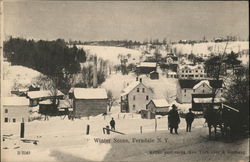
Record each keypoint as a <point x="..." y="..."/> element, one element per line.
<point x="97" y="20"/>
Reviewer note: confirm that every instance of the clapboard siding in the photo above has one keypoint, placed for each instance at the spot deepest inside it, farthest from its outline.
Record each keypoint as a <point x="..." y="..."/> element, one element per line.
<point x="88" y="107"/>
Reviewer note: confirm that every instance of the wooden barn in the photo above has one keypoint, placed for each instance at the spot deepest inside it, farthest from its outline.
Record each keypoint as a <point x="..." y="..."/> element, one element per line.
<point x="89" y="101"/>
<point x="154" y="75"/>
<point x="146" y="67"/>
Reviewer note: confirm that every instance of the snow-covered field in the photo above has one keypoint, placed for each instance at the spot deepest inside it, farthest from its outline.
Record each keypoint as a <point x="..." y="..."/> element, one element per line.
<point x="111" y="53"/>
<point x="65" y="140"/>
<point x="206" y="48"/>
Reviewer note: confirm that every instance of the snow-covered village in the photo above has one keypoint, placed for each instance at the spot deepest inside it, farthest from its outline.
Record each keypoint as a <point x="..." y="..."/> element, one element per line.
<point x="107" y="96"/>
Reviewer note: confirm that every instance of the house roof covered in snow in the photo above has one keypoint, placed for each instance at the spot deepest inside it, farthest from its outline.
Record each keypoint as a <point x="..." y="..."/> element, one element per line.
<point x="160" y="103"/>
<point x="90" y="93"/>
<point x="208" y="100"/>
<point x="129" y="88"/>
<point x="147" y="64"/>
<point x="190" y="83"/>
<point x="15" y="101"/>
<point x="202" y="82"/>
<point x="42" y="94"/>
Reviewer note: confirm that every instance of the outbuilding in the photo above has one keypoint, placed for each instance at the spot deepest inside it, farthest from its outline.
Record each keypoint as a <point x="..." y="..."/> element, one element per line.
<point x="89" y="101"/>
<point x="15" y="109"/>
<point x="158" y="106"/>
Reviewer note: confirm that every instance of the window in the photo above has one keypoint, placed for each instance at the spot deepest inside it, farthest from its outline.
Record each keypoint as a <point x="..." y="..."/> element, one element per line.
<point x="186" y="71"/>
<point x="201" y="71"/>
<point x="133" y="107"/>
<point x="5" y="120"/>
<point x="6" y="110"/>
<point x="138" y="89"/>
<point x="203" y="91"/>
<point x="182" y="75"/>
<point x="146" y="97"/>
<point x="221" y="91"/>
<point x="190" y="71"/>
<point x="14" y="120"/>
<point x="133" y="97"/>
<point x="194" y="90"/>
<point x="196" y="71"/>
<point x="201" y="75"/>
<point x="143" y="90"/>
<point x="185" y="90"/>
<point x="203" y="85"/>
<point x="196" y="75"/>
<point x="183" y="71"/>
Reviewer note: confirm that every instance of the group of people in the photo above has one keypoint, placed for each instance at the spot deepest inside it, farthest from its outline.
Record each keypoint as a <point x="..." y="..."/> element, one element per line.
<point x="174" y="120"/>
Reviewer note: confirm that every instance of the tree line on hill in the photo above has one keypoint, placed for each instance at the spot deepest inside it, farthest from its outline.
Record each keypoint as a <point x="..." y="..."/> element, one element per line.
<point x="52" y="58"/>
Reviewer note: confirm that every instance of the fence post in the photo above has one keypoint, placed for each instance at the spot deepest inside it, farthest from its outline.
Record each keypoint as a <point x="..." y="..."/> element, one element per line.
<point x="107" y="129"/>
<point x="22" y="129"/>
<point x="118" y="116"/>
<point x="155" y="125"/>
<point x="141" y="129"/>
<point x="88" y="128"/>
<point x="124" y="116"/>
<point x="104" y="116"/>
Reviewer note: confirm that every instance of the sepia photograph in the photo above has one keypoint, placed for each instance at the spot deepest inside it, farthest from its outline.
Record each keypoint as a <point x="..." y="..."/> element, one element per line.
<point x="124" y="81"/>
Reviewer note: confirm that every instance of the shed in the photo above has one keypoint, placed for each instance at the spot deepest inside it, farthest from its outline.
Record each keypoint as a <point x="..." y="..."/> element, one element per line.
<point x="15" y="109"/>
<point x="158" y="106"/>
<point x="154" y="75"/>
<point x="89" y="101"/>
<point x="36" y="96"/>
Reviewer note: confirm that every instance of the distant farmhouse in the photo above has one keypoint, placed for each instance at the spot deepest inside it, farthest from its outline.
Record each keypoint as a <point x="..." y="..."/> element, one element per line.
<point x="202" y="101"/>
<point x="135" y="97"/>
<point x="146" y="67"/>
<point x="15" y="109"/>
<point x="186" y="87"/>
<point x="191" y="72"/>
<point x="89" y="101"/>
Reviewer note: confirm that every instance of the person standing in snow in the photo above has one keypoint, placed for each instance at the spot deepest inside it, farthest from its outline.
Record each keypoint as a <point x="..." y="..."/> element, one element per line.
<point x="112" y="124"/>
<point x="189" y="120"/>
<point x="173" y="119"/>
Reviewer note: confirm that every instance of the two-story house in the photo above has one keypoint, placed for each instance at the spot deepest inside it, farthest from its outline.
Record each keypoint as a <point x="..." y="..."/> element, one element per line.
<point x="135" y="97"/>
<point x="191" y="72"/>
<point x="186" y="87"/>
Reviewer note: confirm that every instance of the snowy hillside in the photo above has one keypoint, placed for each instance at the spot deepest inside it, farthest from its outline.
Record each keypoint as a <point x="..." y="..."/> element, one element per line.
<point x="17" y="76"/>
<point x="111" y="53"/>
<point x="206" y="48"/>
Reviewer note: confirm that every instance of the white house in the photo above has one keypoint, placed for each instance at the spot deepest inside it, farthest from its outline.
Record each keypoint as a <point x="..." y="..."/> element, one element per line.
<point x="15" y="109"/>
<point x="135" y="97"/>
<point x="191" y="72"/>
<point x="186" y="87"/>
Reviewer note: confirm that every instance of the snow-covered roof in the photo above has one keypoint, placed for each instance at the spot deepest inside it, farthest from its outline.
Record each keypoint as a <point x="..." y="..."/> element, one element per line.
<point x="15" y="101"/>
<point x="64" y="104"/>
<point x="171" y="72"/>
<point x="191" y="66"/>
<point x="160" y="102"/>
<point x="90" y="93"/>
<point x="202" y="82"/>
<point x="45" y="102"/>
<point x="41" y="94"/>
<point x="130" y="88"/>
<point x="208" y="100"/>
<point x="147" y="64"/>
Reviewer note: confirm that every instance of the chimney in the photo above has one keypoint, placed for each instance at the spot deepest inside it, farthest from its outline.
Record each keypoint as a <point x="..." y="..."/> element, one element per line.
<point x="95" y="73"/>
<point x="141" y="80"/>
